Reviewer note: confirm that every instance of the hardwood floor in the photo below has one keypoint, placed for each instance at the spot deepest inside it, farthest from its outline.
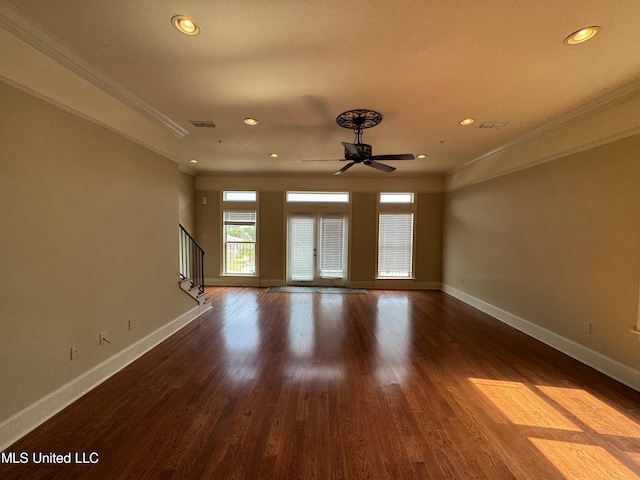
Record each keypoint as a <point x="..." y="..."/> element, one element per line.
<point x="387" y="385"/>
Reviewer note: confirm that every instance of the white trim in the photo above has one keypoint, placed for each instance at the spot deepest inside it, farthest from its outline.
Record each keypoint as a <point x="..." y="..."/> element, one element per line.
<point x="360" y="284"/>
<point x="405" y="284"/>
<point x="539" y="161"/>
<point x="395" y="284"/>
<point x="610" y="367"/>
<point x="73" y="111"/>
<point x="272" y="282"/>
<point x="185" y="169"/>
<point x="26" y="420"/>
<point x="20" y="25"/>
<point x="232" y="281"/>
<point x="596" y="105"/>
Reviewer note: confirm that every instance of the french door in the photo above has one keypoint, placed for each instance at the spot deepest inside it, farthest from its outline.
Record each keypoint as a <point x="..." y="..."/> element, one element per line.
<point x="317" y="249"/>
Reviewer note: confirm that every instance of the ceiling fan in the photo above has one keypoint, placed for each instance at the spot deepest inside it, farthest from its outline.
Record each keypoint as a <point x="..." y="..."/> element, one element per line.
<point x="358" y="152"/>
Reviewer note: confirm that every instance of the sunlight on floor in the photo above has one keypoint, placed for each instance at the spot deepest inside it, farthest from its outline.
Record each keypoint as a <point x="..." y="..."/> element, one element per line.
<point x="522" y="406"/>
<point x="576" y="460"/>
<point x="580" y="435"/>
<point x="596" y="414"/>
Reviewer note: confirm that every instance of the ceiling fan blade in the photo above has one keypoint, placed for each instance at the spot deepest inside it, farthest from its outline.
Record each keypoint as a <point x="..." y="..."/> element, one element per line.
<point x="380" y="166"/>
<point x="351" y="148"/>
<point x="404" y="156"/>
<point x="345" y="168"/>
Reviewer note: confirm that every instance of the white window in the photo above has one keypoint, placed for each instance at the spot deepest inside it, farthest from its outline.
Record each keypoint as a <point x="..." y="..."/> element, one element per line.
<point x="396" y="198"/>
<point x="395" y="245"/>
<point x="396" y="211"/>
<point x="318" y="197"/>
<point x="239" y="196"/>
<point x="239" y="232"/>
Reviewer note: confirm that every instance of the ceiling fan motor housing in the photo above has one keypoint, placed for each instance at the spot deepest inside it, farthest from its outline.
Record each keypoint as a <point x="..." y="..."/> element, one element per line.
<point x="364" y="152"/>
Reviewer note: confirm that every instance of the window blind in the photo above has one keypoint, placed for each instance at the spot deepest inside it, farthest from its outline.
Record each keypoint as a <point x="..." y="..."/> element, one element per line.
<point x="239" y="242"/>
<point x="331" y="247"/>
<point x="302" y="244"/>
<point x="395" y="245"/>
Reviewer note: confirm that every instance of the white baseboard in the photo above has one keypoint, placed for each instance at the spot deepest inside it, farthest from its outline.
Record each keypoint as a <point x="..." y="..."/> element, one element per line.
<point x="360" y="284"/>
<point x="232" y="282"/>
<point x="243" y="282"/>
<point x="610" y="367"/>
<point x="391" y="284"/>
<point x="396" y="284"/>
<point x="26" y="420"/>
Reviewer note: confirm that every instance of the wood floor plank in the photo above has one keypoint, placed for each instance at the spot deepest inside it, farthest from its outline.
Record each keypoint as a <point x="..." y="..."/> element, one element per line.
<point x="387" y="385"/>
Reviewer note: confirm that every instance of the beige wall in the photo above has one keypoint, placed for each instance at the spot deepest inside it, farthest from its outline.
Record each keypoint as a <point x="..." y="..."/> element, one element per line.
<point x="363" y="225"/>
<point x="429" y="237"/>
<point x="187" y="196"/>
<point x="271" y="236"/>
<point x="89" y="241"/>
<point x="272" y="219"/>
<point x="557" y="244"/>
<point x="208" y="230"/>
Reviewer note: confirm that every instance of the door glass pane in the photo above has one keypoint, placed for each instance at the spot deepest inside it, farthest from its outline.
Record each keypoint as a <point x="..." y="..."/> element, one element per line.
<point x="301" y="246"/>
<point x="331" y="247"/>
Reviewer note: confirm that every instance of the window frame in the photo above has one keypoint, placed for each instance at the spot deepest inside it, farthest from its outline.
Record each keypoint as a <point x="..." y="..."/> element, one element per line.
<point x="238" y="206"/>
<point x="229" y="193"/>
<point x="398" y="208"/>
<point x="316" y="197"/>
<point x="398" y="195"/>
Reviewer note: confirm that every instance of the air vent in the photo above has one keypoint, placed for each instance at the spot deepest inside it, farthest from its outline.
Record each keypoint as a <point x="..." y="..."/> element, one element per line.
<point x="497" y="126"/>
<point x="202" y="123"/>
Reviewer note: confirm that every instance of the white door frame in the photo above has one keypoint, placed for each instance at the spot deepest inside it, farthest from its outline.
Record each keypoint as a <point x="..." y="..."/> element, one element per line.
<point x="318" y="279"/>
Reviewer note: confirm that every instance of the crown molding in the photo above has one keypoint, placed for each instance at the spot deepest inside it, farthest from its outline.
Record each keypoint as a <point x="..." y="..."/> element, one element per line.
<point x="187" y="170"/>
<point x="17" y="23"/>
<point x="604" y="101"/>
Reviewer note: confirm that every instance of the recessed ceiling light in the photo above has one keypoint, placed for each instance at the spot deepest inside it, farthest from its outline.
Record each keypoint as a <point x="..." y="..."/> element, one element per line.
<point x="273" y="155"/>
<point x="250" y="121"/>
<point x="582" y="35"/>
<point x="193" y="160"/>
<point x="422" y="155"/>
<point x="185" y="25"/>
<point x="467" y="121"/>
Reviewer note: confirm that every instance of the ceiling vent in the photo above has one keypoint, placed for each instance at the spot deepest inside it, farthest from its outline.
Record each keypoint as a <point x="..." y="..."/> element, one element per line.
<point x="497" y="126"/>
<point x="202" y="123"/>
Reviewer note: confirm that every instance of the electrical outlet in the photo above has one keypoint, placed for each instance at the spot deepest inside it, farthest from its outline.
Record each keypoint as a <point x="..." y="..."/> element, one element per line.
<point x="74" y="352"/>
<point x="587" y="327"/>
<point x="133" y="323"/>
<point x="103" y="338"/>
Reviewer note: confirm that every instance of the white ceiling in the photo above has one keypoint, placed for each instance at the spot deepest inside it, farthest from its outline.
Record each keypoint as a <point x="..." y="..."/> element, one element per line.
<point x="295" y="65"/>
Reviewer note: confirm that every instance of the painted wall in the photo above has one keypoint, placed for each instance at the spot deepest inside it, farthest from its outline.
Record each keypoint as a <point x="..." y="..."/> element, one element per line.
<point x="557" y="245"/>
<point x="363" y="237"/>
<point x="272" y="217"/>
<point x="271" y="237"/>
<point x="208" y="230"/>
<point x="89" y="241"/>
<point x="187" y="198"/>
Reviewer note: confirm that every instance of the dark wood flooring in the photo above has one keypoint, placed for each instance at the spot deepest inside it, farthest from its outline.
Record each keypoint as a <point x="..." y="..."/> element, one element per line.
<point x="387" y="385"/>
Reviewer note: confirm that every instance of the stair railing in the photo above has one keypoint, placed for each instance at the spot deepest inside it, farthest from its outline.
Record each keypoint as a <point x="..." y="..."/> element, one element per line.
<point x="191" y="260"/>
